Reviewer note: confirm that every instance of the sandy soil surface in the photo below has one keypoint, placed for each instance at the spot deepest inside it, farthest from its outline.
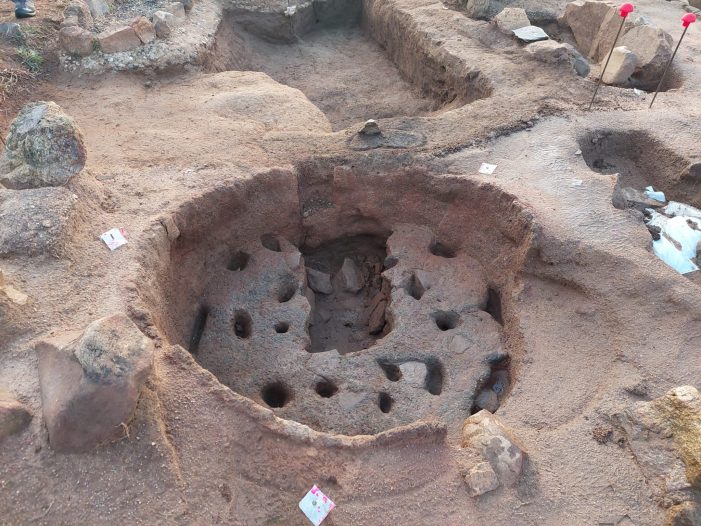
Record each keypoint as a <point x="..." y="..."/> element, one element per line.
<point x="265" y="142"/>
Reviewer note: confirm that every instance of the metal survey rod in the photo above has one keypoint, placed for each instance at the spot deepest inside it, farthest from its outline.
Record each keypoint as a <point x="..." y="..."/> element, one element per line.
<point x="624" y="11"/>
<point x="687" y="20"/>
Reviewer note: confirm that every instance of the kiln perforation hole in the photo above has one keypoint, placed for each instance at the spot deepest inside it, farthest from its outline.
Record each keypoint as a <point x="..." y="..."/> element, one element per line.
<point x="282" y="327"/>
<point x="385" y="402"/>
<point x="446" y="320"/>
<point x="326" y="389"/>
<point x="243" y="324"/>
<point x="276" y="395"/>
<point x="270" y="242"/>
<point x="238" y="261"/>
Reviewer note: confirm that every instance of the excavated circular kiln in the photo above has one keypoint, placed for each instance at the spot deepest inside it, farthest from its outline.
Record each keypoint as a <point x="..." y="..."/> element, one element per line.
<point x="349" y="301"/>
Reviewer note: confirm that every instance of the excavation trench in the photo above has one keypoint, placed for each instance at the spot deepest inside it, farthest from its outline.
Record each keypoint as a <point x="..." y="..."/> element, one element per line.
<point x="353" y="302"/>
<point x="354" y="60"/>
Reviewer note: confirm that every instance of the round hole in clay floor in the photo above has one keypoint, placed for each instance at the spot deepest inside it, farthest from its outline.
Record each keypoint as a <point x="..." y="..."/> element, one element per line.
<point x="275" y="395"/>
<point x="326" y="389"/>
<point x="282" y="327"/>
<point x="348" y="314"/>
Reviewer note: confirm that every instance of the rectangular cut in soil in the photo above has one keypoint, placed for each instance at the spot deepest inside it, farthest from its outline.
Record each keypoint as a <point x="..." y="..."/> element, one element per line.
<point x="343" y="72"/>
<point x="340" y="319"/>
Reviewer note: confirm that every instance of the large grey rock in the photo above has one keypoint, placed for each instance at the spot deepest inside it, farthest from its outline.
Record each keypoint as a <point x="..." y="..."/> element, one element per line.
<point x="653" y="48"/>
<point x="35" y="222"/>
<point x="584" y="18"/>
<point x="485" y="434"/>
<point x="90" y="386"/>
<point x="620" y="67"/>
<point x="604" y="39"/>
<point x="530" y="34"/>
<point x="45" y="147"/>
<point x="553" y="52"/>
<point x="14" y="416"/>
<point x="511" y="18"/>
<point x="76" y="40"/>
<point x="119" y="39"/>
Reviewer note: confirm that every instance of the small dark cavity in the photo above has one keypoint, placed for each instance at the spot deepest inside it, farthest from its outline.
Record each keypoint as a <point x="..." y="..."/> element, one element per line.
<point x="276" y="394"/>
<point x="494" y="305"/>
<point x="326" y="389"/>
<point x="439" y="249"/>
<point x="391" y="370"/>
<point x="496" y="385"/>
<point x="390" y="261"/>
<point x="414" y="287"/>
<point x="243" y="324"/>
<point x="198" y="329"/>
<point x="434" y="377"/>
<point x="385" y="402"/>
<point x="286" y="291"/>
<point x="282" y="327"/>
<point x="270" y="242"/>
<point x="238" y="261"/>
<point x="445" y="319"/>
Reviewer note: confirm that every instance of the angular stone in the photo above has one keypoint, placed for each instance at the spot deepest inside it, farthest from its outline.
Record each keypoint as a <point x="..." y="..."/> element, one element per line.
<point x="177" y="9"/>
<point x="76" y="40"/>
<point x="98" y="8"/>
<point x="14" y="416"/>
<point x="487" y="399"/>
<point x="44" y="148"/>
<point x="164" y="23"/>
<point x="584" y="18"/>
<point x="481" y="479"/>
<point x="553" y="52"/>
<point x="511" y="18"/>
<point x="370" y="128"/>
<point x="319" y="281"/>
<point x="653" y="48"/>
<point x="485" y="433"/>
<point x="11" y="32"/>
<point x="120" y="39"/>
<point x="603" y="42"/>
<point x="143" y="29"/>
<point x="351" y="277"/>
<point x="90" y="386"/>
<point x="684" y="514"/>
<point x="79" y="10"/>
<point x="621" y="66"/>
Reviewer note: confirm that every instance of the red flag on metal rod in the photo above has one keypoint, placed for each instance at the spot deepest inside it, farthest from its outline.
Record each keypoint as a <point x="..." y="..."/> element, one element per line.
<point x="687" y="20"/>
<point x="623" y="11"/>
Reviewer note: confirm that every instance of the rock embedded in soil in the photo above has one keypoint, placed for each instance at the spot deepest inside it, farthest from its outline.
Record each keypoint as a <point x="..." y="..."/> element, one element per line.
<point x="35" y="222"/>
<point x="44" y="147"/>
<point x="319" y="281"/>
<point x="481" y="479"/>
<point x="79" y="10"/>
<point x="351" y="277"/>
<point x="164" y="23"/>
<point x="584" y="18"/>
<point x="143" y="29"/>
<point x="511" y="18"/>
<point x="488" y="436"/>
<point x="665" y="438"/>
<point x="76" y="40"/>
<point x="90" y="385"/>
<point x="620" y="67"/>
<point x="553" y="52"/>
<point x="478" y="9"/>
<point x="11" y="32"/>
<point x="653" y="49"/>
<point x="119" y="39"/>
<point x="14" y="416"/>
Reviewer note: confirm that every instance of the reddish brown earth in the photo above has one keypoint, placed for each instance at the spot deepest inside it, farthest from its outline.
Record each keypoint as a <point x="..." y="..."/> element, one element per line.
<point x="198" y="163"/>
